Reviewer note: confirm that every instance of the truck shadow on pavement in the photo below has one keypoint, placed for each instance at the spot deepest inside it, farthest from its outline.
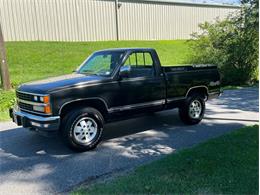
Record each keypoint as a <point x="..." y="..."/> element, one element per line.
<point x="126" y="144"/>
<point x="24" y="143"/>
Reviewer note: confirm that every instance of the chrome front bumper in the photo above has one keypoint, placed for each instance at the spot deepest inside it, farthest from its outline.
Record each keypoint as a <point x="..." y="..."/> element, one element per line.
<point x="34" y="122"/>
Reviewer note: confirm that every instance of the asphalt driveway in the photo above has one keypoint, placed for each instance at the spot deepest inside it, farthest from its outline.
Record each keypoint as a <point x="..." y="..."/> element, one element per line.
<point x="31" y="164"/>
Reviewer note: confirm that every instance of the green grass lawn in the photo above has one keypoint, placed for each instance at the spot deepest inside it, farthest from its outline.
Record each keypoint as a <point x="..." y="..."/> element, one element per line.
<point x="225" y="165"/>
<point x="36" y="60"/>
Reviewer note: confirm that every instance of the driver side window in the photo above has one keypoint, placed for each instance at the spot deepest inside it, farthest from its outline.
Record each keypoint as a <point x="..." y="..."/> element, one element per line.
<point x="141" y="64"/>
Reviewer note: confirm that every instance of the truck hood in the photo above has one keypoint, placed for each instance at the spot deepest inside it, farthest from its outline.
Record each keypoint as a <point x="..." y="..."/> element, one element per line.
<point x="55" y="83"/>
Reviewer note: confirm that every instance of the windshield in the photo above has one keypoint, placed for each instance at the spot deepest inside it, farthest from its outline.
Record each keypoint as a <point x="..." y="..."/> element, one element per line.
<point x="101" y="63"/>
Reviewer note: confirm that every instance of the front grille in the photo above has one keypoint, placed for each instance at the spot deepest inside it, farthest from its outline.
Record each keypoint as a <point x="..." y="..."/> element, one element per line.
<point x="25" y="106"/>
<point x="26" y="102"/>
<point x="24" y="96"/>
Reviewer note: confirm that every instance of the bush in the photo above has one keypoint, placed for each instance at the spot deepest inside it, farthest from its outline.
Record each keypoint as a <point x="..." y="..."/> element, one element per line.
<point x="7" y="100"/>
<point x="232" y="44"/>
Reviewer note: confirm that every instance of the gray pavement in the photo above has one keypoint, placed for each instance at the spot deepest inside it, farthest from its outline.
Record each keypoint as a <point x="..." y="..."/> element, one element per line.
<point x="31" y="164"/>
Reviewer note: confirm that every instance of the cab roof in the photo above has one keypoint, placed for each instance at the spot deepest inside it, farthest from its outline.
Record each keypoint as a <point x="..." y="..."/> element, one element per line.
<point x="128" y="49"/>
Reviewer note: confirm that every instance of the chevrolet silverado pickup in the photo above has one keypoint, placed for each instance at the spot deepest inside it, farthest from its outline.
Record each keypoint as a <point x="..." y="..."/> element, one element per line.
<point x="109" y="85"/>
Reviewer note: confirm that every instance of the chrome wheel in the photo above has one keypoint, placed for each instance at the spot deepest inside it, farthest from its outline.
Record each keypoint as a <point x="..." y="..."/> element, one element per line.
<point x="85" y="130"/>
<point x="195" y="109"/>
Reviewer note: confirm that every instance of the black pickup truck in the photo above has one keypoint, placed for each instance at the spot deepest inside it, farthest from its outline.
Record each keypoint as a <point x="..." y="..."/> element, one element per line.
<point x="109" y="85"/>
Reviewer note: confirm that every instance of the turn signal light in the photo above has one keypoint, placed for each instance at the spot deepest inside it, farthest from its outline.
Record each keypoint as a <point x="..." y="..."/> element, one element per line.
<point x="47" y="109"/>
<point x="46" y="99"/>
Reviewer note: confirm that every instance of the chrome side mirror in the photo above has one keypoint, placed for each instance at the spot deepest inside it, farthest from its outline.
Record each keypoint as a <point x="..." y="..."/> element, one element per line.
<point x="124" y="71"/>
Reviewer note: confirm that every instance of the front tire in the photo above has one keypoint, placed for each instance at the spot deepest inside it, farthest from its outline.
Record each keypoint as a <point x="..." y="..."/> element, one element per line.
<point x="82" y="129"/>
<point x="192" y="110"/>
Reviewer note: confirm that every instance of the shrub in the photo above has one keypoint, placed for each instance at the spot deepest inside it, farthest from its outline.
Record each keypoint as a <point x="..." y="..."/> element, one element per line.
<point x="6" y="101"/>
<point x="232" y="44"/>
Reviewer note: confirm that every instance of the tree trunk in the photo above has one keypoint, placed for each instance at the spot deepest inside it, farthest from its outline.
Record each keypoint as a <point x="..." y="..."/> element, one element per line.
<point x="5" y="79"/>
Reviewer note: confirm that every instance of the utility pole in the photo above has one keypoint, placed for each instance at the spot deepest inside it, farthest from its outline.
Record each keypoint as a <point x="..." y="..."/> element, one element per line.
<point x="5" y="79"/>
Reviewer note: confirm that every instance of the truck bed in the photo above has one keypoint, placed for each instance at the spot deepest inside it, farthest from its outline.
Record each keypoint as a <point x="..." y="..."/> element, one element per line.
<point x="180" y="79"/>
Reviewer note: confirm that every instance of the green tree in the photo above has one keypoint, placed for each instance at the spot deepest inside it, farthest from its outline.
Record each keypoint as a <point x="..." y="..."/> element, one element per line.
<point x="232" y="44"/>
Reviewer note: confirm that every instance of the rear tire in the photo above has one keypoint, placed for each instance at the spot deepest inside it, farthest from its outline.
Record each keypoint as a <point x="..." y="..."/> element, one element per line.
<point x="82" y="129"/>
<point x="192" y="110"/>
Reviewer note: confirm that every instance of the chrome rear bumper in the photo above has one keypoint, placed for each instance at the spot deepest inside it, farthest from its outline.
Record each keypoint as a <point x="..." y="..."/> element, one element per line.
<point x="214" y="94"/>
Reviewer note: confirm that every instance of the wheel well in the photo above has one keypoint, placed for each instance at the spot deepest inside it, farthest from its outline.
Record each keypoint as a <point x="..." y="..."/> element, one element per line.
<point x="95" y="103"/>
<point x="199" y="90"/>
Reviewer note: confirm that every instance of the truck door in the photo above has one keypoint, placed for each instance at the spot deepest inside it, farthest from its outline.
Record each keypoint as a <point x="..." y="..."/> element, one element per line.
<point x="144" y="88"/>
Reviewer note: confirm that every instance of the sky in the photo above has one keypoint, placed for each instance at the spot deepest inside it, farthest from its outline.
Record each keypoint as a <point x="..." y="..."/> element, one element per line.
<point x="235" y="2"/>
<point x="216" y="1"/>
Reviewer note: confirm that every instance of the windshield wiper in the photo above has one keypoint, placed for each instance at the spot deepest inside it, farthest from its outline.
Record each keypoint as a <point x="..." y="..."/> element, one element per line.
<point x="89" y="72"/>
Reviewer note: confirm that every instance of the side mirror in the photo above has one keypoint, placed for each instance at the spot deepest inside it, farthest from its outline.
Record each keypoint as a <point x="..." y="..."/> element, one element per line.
<point x="124" y="71"/>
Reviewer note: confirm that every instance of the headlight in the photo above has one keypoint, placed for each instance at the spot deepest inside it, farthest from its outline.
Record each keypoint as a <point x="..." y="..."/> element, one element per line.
<point x="38" y="108"/>
<point x="44" y="109"/>
<point x="42" y="99"/>
<point x="35" y="98"/>
<point x="45" y="99"/>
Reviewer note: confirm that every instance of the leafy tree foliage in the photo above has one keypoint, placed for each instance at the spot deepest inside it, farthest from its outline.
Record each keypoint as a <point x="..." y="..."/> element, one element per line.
<point x="232" y="44"/>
